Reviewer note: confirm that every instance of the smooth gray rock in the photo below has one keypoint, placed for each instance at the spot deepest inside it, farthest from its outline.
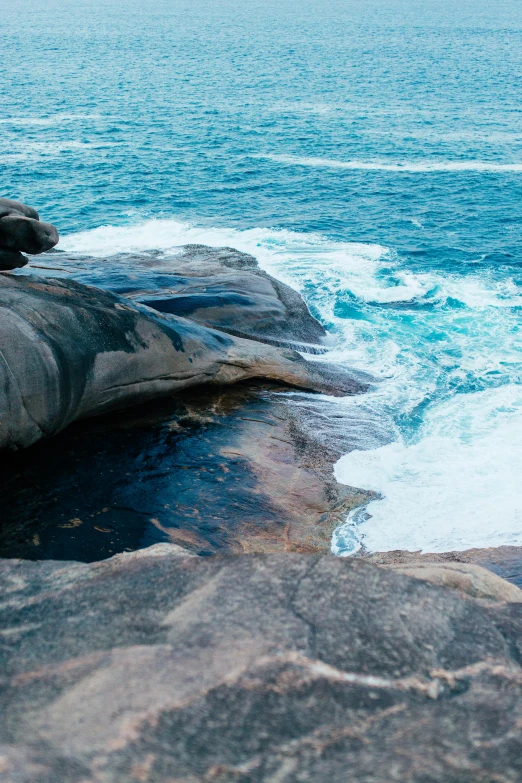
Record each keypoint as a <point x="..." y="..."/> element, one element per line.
<point x="218" y="287"/>
<point x="22" y="232"/>
<point x="284" y="668"/>
<point x="70" y="351"/>
<point x="219" y="283"/>
<point x="26" y="234"/>
<point x="10" y="207"/>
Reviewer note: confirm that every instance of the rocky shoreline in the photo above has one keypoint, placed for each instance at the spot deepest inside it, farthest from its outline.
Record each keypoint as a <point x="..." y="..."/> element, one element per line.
<point x="204" y="632"/>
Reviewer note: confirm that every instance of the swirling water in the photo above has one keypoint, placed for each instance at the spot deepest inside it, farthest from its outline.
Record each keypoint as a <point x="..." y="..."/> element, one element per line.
<point x="368" y="152"/>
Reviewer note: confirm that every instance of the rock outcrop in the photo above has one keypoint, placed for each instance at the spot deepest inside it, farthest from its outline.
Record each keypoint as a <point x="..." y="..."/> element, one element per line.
<point x="217" y="287"/>
<point x="468" y="578"/>
<point x="160" y="667"/>
<point x="70" y="351"/>
<point x="505" y="561"/>
<point x="22" y="232"/>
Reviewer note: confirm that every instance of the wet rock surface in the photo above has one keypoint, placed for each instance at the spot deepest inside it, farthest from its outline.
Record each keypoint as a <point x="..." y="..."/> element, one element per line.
<point x="218" y="287"/>
<point x="241" y="469"/>
<point x="224" y="470"/>
<point x="160" y="667"/>
<point x="161" y="664"/>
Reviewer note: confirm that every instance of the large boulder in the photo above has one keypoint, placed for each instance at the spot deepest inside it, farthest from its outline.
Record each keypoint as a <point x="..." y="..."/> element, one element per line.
<point x="218" y="287"/>
<point x="159" y="667"/>
<point x="70" y="351"/>
<point x="22" y="232"/>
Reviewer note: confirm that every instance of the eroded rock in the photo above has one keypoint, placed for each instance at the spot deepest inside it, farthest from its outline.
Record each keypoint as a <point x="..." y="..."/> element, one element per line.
<point x="466" y="577"/>
<point x="505" y="561"/>
<point x="9" y="206"/>
<point x="18" y="232"/>
<point x="217" y="287"/>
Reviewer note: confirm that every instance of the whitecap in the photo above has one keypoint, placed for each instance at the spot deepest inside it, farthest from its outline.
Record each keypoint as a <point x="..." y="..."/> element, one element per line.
<point x="407" y="167"/>
<point x="54" y="119"/>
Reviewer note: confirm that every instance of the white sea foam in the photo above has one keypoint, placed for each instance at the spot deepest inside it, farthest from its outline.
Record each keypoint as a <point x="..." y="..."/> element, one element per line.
<point x="55" y="147"/>
<point x="407" y="167"/>
<point x="456" y="487"/>
<point x="20" y="152"/>
<point x="455" y="484"/>
<point x="54" y="119"/>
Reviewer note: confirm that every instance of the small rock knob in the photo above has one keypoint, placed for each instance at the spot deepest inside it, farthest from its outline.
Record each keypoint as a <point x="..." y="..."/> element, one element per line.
<point x="21" y="231"/>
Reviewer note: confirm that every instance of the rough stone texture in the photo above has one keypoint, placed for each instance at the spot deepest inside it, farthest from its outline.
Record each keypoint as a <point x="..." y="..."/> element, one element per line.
<point x="466" y="577"/>
<point x="505" y="561"/>
<point x="240" y="469"/>
<point x="282" y="668"/>
<point x="22" y="232"/>
<point x="70" y="351"/>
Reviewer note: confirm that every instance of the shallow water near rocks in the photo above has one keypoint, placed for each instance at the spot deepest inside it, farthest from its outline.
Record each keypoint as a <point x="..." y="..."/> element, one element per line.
<point x="367" y="153"/>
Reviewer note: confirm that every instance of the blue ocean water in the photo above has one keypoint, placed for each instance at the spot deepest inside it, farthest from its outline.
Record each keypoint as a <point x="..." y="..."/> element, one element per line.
<point x="369" y="152"/>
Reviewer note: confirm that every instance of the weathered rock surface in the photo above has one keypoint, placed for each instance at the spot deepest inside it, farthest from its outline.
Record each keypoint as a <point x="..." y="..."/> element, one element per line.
<point x="218" y="287"/>
<point x="162" y="668"/>
<point x="226" y="471"/>
<point x="22" y="232"/>
<point x="70" y="351"/>
<point x="216" y="283"/>
<point x="466" y="577"/>
<point x="236" y="469"/>
<point x="505" y="561"/>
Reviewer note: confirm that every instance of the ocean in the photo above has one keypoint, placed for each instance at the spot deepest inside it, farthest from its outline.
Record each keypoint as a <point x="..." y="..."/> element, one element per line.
<point x="367" y="152"/>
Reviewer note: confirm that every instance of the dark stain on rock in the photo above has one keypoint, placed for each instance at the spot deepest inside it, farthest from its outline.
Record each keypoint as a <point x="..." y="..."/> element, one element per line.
<point x="186" y="305"/>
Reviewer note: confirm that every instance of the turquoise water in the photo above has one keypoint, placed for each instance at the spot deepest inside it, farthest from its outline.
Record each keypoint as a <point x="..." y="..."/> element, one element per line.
<point x="369" y="153"/>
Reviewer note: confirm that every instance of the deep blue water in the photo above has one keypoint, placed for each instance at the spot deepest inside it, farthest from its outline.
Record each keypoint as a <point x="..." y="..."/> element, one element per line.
<point x="368" y="151"/>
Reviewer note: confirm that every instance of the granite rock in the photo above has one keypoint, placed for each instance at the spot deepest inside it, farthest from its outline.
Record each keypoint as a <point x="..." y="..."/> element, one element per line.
<point x="467" y="577"/>
<point x="285" y="668"/>
<point x="27" y="235"/>
<point x="218" y="287"/>
<point x="9" y="206"/>
<point x="505" y="561"/>
<point x="245" y="468"/>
